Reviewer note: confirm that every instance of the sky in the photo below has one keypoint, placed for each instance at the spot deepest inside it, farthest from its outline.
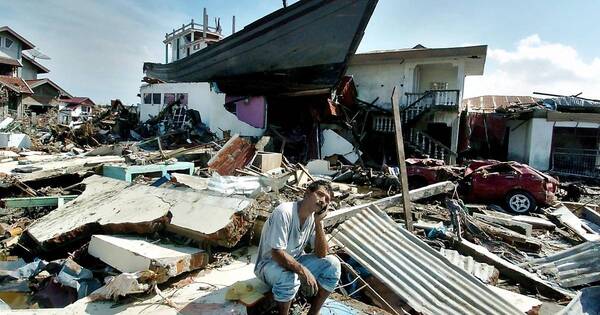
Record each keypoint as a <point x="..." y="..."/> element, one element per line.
<point x="98" y="47"/>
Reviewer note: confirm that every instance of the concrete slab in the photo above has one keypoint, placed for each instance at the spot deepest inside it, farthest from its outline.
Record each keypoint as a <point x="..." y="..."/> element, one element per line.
<point x="212" y="217"/>
<point x="134" y="254"/>
<point x="110" y="206"/>
<point x="55" y="165"/>
<point x="194" y="182"/>
<point x="105" y="205"/>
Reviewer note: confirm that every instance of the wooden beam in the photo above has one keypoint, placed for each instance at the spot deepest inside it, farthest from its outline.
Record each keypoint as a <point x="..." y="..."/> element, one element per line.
<point x="29" y="202"/>
<point x="402" y="161"/>
<point x="341" y="215"/>
<point x="514" y="272"/>
<point x="520" y="227"/>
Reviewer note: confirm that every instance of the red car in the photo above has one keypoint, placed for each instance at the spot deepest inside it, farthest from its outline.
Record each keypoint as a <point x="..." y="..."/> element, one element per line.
<point x="519" y="186"/>
<point x="423" y="172"/>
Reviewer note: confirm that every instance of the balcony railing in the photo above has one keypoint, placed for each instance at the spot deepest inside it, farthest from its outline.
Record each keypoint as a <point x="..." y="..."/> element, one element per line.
<point x="577" y="162"/>
<point x="435" y="98"/>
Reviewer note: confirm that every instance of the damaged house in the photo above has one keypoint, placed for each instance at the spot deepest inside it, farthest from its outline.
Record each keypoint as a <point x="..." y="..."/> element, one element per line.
<point x="21" y="92"/>
<point x="558" y="134"/>
<point x="305" y="118"/>
<point x="430" y="84"/>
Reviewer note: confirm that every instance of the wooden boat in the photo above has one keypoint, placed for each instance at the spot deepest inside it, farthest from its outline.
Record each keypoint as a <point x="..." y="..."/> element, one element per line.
<point x="301" y="48"/>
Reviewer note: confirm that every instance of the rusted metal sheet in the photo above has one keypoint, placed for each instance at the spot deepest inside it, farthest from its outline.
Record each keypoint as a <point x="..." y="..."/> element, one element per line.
<point x="235" y="154"/>
<point x="418" y="274"/>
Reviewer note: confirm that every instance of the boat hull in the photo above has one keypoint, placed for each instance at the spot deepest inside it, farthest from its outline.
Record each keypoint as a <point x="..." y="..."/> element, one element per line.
<point x="303" y="47"/>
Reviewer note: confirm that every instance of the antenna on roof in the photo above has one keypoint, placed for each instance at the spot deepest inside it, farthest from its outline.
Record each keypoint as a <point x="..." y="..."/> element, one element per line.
<point x="38" y="54"/>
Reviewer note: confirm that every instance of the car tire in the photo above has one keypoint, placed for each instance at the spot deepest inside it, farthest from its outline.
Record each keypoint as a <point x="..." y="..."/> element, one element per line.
<point x="520" y="202"/>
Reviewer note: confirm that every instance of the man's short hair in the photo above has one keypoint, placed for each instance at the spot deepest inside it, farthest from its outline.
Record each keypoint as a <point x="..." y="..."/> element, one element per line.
<point x="315" y="185"/>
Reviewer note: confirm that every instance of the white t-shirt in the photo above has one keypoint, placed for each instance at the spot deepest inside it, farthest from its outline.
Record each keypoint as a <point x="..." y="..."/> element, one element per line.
<point x="282" y="231"/>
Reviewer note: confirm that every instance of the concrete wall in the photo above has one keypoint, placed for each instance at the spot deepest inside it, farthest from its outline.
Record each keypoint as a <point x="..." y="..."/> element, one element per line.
<point x="378" y="80"/>
<point x="15" y="50"/>
<point x="518" y="140"/>
<point x="531" y="141"/>
<point x="29" y="71"/>
<point x="208" y="103"/>
<point x="540" y="144"/>
<point x="429" y="73"/>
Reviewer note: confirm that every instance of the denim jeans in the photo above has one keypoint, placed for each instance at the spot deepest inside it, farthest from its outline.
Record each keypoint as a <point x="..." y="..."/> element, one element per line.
<point x="285" y="284"/>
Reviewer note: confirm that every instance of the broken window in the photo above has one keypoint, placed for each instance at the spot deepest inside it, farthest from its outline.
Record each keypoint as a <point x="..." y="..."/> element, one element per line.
<point x="7" y="42"/>
<point x="148" y="98"/>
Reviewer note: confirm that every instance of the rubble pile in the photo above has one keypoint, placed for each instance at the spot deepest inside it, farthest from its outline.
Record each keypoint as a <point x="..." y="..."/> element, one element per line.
<point x="144" y="223"/>
<point x="107" y="214"/>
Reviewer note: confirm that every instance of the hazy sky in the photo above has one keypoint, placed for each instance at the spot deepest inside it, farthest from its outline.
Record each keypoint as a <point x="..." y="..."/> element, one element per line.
<point x="98" y="47"/>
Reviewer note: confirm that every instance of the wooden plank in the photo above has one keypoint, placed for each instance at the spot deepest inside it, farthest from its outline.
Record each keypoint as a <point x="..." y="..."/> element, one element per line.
<point x="45" y="201"/>
<point x="401" y="161"/>
<point x="520" y="227"/>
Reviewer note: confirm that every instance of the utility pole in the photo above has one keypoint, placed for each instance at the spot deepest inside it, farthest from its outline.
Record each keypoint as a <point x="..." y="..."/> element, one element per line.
<point x="401" y="160"/>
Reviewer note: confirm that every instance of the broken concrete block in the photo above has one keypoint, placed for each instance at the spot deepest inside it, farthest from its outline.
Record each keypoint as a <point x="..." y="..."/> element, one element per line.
<point x="194" y="182"/>
<point x="106" y="205"/>
<point x="214" y="218"/>
<point x="110" y="206"/>
<point x="134" y="254"/>
<point x="203" y="293"/>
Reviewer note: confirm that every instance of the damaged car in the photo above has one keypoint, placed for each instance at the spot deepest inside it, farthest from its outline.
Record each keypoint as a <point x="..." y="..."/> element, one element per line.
<point x="519" y="187"/>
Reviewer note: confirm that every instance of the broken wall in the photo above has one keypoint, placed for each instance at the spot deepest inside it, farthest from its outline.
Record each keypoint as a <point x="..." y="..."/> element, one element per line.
<point x="201" y="98"/>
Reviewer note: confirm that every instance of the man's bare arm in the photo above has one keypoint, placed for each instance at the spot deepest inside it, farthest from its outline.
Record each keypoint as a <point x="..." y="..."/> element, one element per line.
<point x="286" y="261"/>
<point x="321" y="246"/>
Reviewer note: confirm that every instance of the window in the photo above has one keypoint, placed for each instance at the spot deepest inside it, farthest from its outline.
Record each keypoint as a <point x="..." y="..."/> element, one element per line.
<point x="169" y="98"/>
<point x="156" y="98"/>
<point x="439" y="85"/>
<point x="85" y="109"/>
<point x="7" y="42"/>
<point x="196" y="46"/>
<point x="147" y="98"/>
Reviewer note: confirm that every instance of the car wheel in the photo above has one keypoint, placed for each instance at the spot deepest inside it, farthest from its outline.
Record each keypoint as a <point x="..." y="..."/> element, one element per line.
<point x="520" y="202"/>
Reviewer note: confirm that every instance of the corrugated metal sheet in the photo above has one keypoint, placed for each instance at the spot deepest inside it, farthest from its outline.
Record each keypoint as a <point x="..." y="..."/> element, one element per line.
<point x="418" y="274"/>
<point x="484" y="272"/>
<point x="490" y="103"/>
<point x="587" y="302"/>
<point x="575" y="266"/>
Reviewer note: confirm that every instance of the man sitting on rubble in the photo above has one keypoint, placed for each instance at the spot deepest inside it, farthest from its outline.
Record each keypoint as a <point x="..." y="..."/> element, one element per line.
<point x="282" y="262"/>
